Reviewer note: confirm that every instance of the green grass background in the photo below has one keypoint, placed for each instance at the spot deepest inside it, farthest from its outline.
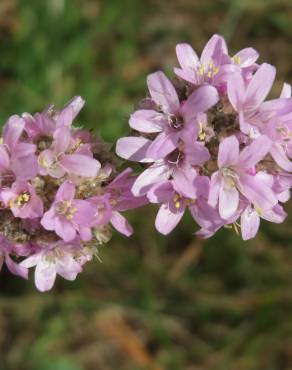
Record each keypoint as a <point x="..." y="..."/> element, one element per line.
<point x="155" y="302"/>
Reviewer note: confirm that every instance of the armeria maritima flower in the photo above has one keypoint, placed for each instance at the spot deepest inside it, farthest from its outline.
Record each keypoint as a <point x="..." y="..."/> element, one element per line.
<point x="212" y="125"/>
<point x="60" y="191"/>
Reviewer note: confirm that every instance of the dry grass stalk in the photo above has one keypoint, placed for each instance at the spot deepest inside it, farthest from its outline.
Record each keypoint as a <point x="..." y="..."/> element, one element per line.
<point x="113" y="325"/>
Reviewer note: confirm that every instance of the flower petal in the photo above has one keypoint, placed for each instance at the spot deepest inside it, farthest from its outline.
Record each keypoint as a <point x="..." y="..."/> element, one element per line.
<point x="85" y="212"/>
<point x="280" y="157"/>
<point x="236" y="90"/>
<point x="64" y="229"/>
<point x="80" y="165"/>
<point x="160" y="193"/>
<point x="66" y="191"/>
<point x="196" y="154"/>
<point x="45" y="276"/>
<point x="186" y="56"/>
<point x="23" y="150"/>
<point x="156" y="173"/>
<point x="48" y="219"/>
<point x="215" y="185"/>
<point x="214" y="47"/>
<point x="255" y="152"/>
<point x="133" y="148"/>
<point x="31" y="261"/>
<point x="162" y="145"/>
<point x="250" y="223"/>
<point x="228" y="201"/>
<point x="183" y="181"/>
<point x="166" y="220"/>
<point x="228" y="152"/>
<point x="257" y="192"/>
<point x="67" y="267"/>
<point x="15" y="268"/>
<point x="4" y="158"/>
<point x="147" y="120"/>
<point x="187" y="75"/>
<point x="199" y="101"/>
<point x="260" y="86"/>
<point x="62" y="137"/>
<point x="163" y="92"/>
<point x="120" y="223"/>
<point x="25" y="168"/>
<point x="275" y="214"/>
<point x="286" y="91"/>
<point x="12" y="131"/>
<point x="70" y="111"/>
<point x="246" y="57"/>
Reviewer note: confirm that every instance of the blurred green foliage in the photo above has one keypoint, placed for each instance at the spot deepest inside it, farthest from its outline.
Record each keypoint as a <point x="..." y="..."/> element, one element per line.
<point x="155" y="302"/>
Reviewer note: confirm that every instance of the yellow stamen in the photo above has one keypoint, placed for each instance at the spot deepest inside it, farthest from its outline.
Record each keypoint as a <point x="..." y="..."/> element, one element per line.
<point x="20" y="201"/>
<point x="65" y="208"/>
<point x="237" y="59"/>
<point x="259" y="211"/>
<point x="201" y="70"/>
<point x="202" y="136"/>
<point x="176" y="200"/>
<point x="209" y="69"/>
<point x="215" y="70"/>
<point x="42" y="162"/>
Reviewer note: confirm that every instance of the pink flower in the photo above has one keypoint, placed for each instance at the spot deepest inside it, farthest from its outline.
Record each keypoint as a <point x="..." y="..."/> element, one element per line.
<point x="17" y="158"/>
<point x="211" y="68"/>
<point x="40" y="124"/>
<point x="45" y="123"/>
<point x="117" y="198"/>
<point x="174" y="204"/>
<point x="50" y="262"/>
<point x="22" y="199"/>
<point x="215" y="66"/>
<point x="233" y="177"/>
<point x="58" y="160"/>
<point x="179" y="166"/>
<point x="173" y="120"/>
<point x="279" y="129"/>
<point x="66" y="116"/>
<point x="248" y="99"/>
<point x="246" y="59"/>
<point x="250" y="219"/>
<point x="68" y="216"/>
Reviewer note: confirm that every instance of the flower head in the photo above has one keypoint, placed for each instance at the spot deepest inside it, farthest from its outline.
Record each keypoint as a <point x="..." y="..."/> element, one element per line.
<point x="60" y="192"/>
<point x="213" y="123"/>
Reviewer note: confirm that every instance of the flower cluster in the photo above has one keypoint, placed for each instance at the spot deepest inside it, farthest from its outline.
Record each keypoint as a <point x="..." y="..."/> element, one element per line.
<point x="59" y="192"/>
<point x="212" y="143"/>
